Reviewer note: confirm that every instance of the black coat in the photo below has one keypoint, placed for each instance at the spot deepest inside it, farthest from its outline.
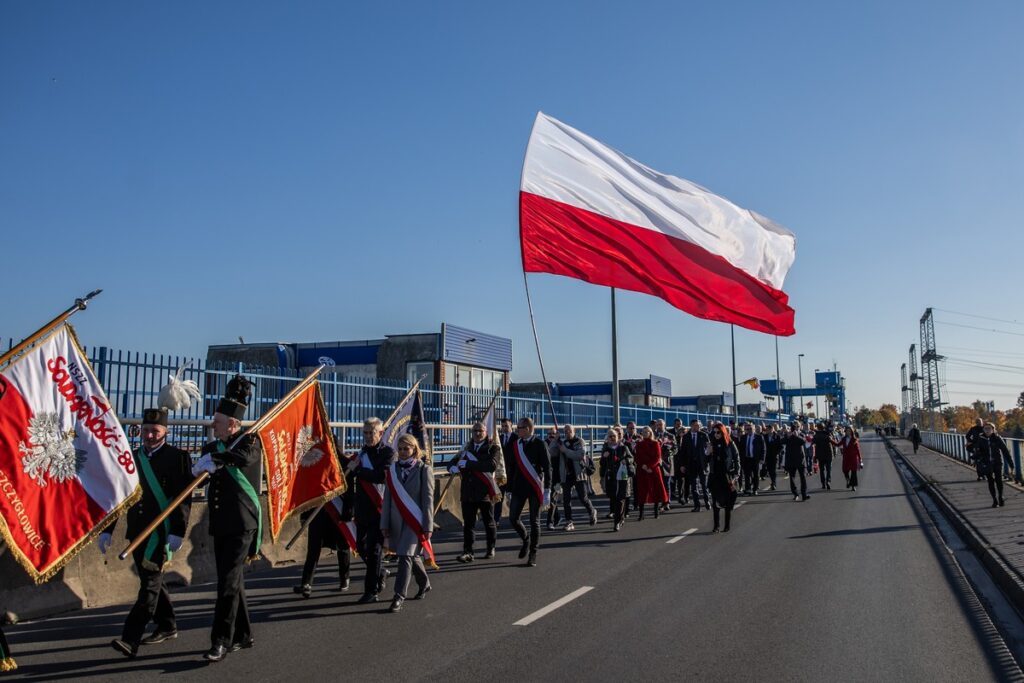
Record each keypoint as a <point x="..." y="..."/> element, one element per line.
<point x="774" y="444"/>
<point x="380" y="456"/>
<point x="793" y="447"/>
<point x="486" y="454"/>
<point x="991" y="450"/>
<point x="692" y="457"/>
<point x="232" y="511"/>
<point x="824" y="446"/>
<point x="172" y="468"/>
<point x="723" y="465"/>
<point x="972" y="437"/>
<point x="537" y="453"/>
<point x="611" y="460"/>
<point x="915" y="436"/>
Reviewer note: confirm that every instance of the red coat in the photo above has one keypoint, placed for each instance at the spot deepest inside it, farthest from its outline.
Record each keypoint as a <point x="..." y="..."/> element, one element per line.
<point x="851" y="454"/>
<point x="650" y="488"/>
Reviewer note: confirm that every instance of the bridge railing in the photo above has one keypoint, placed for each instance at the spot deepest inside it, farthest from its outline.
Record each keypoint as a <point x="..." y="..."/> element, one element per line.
<point x="954" y="444"/>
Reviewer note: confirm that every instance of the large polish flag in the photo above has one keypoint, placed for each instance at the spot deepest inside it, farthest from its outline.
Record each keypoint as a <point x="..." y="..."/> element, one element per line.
<point x="589" y="212"/>
<point x="66" y="467"/>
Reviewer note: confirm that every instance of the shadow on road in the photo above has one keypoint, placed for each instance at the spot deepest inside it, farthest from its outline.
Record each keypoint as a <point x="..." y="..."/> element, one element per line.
<point x="857" y="532"/>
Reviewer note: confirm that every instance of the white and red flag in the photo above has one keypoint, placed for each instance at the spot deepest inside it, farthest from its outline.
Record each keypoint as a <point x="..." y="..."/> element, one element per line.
<point x="589" y="212"/>
<point x="66" y="467"/>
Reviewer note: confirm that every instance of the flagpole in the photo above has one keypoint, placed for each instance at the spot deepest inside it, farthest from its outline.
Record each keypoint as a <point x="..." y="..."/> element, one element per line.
<point x="735" y="403"/>
<point x="79" y="305"/>
<point x="616" y="405"/>
<point x="316" y="511"/>
<point x="778" y="380"/>
<point x="203" y="476"/>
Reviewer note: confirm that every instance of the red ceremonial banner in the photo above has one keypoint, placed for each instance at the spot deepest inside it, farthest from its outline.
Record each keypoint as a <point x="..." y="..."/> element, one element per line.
<point x="299" y="456"/>
<point x="66" y="467"/>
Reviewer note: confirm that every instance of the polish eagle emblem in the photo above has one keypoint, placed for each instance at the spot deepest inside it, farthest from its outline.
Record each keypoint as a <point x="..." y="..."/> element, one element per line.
<point x="50" y="451"/>
<point x="306" y="450"/>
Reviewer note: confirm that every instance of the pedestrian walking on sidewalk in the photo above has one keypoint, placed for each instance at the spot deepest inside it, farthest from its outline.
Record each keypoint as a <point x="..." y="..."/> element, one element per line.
<point x="989" y="453"/>
<point x="850" y="448"/>
<point x="970" y="441"/>
<point x="915" y="436"/>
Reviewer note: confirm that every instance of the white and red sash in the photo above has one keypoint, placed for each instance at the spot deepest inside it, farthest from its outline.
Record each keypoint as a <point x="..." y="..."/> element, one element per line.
<point x="410" y="511"/>
<point x="486" y="477"/>
<point x="347" y="529"/>
<point x="526" y="467"/>
<point x="374" y="492"/>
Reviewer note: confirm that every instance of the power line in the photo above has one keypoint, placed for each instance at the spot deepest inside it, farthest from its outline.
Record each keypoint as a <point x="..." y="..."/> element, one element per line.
<point x="983" y="329"/>
<point x="985" y="384"/>
<point x="980" y="317"/>
<point x="984" y="365"/>
<point x="986" y="352"/>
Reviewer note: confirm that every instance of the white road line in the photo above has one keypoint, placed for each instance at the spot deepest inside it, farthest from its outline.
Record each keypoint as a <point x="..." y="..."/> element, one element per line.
<point x="543" y="611"/>
<point x="742" y="502"/>
<point x="681" y="536"/>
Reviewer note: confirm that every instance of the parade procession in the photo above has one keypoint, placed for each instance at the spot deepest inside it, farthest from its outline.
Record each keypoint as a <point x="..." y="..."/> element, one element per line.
<point x="462" y="342"/>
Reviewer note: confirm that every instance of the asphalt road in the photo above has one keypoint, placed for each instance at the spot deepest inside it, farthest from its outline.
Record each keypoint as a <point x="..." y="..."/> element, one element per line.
<point x="845" y="586"/>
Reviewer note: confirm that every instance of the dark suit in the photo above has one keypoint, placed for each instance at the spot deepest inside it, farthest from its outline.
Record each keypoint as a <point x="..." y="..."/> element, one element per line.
<point x="234" y="520"/>
<point x="753" y="449"/>
<point x="691" y="456"/>
<point x="369" y="540"/>
<point x="523" y="492"/>
<point x="475" y="495"/>
<point x="172" y="468"/>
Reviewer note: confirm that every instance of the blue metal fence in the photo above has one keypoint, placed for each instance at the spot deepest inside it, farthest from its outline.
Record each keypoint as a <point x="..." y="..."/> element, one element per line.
<point x="132" y="381"/>
<point x="954" y="445"/>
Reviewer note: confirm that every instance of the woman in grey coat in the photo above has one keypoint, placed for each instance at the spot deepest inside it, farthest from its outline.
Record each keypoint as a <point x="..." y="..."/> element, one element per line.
<point x="416" y="479"/>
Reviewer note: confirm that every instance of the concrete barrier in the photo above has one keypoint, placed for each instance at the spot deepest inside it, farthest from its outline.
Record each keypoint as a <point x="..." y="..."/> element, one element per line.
<point x="95" y="580"/>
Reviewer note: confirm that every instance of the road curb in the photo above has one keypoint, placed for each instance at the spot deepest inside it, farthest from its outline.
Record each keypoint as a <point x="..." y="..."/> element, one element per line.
<point x="1006" y="577"/>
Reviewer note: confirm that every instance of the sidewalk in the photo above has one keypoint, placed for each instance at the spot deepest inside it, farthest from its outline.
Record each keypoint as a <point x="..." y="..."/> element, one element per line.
<point x="999" y="531"/>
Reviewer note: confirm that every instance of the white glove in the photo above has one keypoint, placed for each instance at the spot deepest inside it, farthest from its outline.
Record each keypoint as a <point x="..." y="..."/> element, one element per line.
<point x="547" y="497"/>
<point x="174" y="542"/>
<point x="453" y="469"/>
<point x="462" y="464"/>
<point x="103" y="542"/>
<point x="204" y="464"/>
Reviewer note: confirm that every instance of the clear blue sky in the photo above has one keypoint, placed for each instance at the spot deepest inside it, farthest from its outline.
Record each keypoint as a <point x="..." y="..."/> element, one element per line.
<point x="321" y="171"/>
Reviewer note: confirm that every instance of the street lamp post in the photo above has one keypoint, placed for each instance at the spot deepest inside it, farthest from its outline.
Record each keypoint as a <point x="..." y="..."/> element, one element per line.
<point x="800" y="377"/>
<point x="817" y="408"/>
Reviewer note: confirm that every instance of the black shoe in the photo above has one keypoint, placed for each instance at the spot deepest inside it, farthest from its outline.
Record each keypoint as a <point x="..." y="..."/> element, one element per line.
<point x="489" y="555"/>
<point x="773" y="487"/>
<point x="216" y="653"/>
<point x="129" y="650"/>
<point x="159" y="637"/>
<point x="995" y="503"/>
<point x="754" y="493"/>
<point x="367" y="598"/>
<point x="465" y="558"/>
<point x="725" y="530"/>
<point x="715" y="530"/>
<point x="422" y="593"/>
<point x="242" y="645"/>
<point x="796" y="498"/>
<point x="828" y="486"/>
<point x="532" y="560"/>
<point x="807" y="497"/>
<point x="1002" y="502"/>
<point x="305" y="590"/>
<point x="618" y="526"/>
<point x="696" y="508"/>
<point x="383" y="580"/>
<point x="396" y="604"/>
<point x="344" y="585"/>
<point x="525" y="549"/>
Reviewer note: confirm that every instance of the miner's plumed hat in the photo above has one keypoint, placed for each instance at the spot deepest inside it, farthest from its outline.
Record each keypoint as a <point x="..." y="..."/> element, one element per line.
<point x="154" y="416"/>
<point x="236" y="398"/>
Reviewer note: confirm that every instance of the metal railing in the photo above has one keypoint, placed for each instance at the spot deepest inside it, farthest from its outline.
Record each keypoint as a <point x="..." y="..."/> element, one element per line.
<point x="132" y="382"/>
<point x="954" y="445"/>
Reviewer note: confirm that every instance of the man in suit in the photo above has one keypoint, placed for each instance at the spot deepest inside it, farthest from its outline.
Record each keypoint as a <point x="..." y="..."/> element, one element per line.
<point x="233" y="460"/>
<point x="370" y="468"/>
<point x="753" y="450"/>
<point x="477" y="463"/>
<point x="506" y="437"/>
<point x="695" y="461"/>
<point x="793" y="459"/>
<point x="530" y="485"/>
<point x="773" y="448"/>
<point x="164" y="472"/>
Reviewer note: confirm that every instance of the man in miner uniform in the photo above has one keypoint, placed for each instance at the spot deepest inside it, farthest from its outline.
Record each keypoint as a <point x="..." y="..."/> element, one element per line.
<point x="233" y="461"/>
<point x="163" y="474"/>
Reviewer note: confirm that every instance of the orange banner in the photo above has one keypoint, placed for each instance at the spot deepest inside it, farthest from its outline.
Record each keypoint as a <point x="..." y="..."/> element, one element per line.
<point x="299" y="456"/>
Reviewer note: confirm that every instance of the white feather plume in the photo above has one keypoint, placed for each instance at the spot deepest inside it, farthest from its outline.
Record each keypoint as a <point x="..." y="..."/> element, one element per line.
<point x="178" y="394"/>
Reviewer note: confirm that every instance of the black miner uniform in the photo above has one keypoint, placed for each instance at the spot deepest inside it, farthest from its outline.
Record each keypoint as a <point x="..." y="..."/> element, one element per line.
<point x="369" y="541"/>
<point x="172" y="468"/>
<point x="234" y="523"/>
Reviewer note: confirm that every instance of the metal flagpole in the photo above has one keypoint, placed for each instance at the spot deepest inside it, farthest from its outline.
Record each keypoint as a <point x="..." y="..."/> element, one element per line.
<point x="735" y="403"/>
<point x="778" y="378"/>
<point x="79" y="305"/>
<point x="616" y="405"/>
